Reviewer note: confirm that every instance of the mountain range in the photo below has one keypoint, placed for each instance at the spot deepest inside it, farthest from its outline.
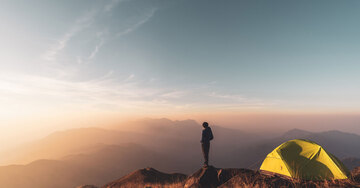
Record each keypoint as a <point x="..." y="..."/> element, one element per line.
<point x="97" y="156"/>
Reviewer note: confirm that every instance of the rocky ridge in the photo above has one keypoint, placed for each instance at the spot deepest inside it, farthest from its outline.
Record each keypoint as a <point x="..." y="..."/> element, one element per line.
<point x="212" y="177"/>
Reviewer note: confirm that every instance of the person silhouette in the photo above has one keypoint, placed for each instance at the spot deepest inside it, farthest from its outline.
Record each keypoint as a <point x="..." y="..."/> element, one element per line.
<point x="207" y="135"/>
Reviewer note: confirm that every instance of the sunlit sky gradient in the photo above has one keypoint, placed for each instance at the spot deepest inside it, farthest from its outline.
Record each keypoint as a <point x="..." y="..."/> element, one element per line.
<point x="175" y="58"/>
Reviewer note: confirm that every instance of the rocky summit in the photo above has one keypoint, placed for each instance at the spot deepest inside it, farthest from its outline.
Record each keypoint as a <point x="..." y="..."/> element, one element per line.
<point x="148" y="177"/>
<point x="212" y="177"/>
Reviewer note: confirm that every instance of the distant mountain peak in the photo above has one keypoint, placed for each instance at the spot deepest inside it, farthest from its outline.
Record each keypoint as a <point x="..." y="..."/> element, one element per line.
<point x="337" y="132"/>
<point x="295" y="132"/>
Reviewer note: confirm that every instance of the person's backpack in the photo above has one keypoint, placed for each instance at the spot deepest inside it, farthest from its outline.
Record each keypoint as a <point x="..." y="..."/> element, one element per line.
<point x="211" y="135"/>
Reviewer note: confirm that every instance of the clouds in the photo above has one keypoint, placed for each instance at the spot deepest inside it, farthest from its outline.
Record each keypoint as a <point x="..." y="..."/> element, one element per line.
<point x="236" y="101"/>
<point x="96" y="50"/>
<point x="89" y="33"/>
<point x="139" y="23"/>
<point x="71" y="74"/>
<point x="80" y="24"/>
<point x="137" y="55"/>
<point x="51" y="91"/>
<point x="104" y="89"/>
<point x="131" y="94"/>
<point x="113" y="3"/>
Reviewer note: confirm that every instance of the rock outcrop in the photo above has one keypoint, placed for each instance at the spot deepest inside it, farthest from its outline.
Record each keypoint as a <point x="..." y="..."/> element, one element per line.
<point x="148" y="177"/>
<point x="205" y="177"/>
<point x="212" y="177"/>
<point x="356" y="174"/>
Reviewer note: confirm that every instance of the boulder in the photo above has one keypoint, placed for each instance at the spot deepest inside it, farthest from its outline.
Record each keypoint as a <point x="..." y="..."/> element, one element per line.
<point x="206" y="177"/>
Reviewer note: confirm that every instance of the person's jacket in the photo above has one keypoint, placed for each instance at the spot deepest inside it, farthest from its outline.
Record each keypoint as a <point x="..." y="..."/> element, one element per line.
<point x="207" y="135"/>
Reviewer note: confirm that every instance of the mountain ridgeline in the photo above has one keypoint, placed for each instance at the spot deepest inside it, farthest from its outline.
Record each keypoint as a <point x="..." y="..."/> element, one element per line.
<point x="211" y="177"/>
<point x="98" y="156"/>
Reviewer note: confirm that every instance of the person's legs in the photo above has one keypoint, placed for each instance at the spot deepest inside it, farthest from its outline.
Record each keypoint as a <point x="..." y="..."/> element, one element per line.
<point x="207" y="153"/>
<point x="205" y="149"/>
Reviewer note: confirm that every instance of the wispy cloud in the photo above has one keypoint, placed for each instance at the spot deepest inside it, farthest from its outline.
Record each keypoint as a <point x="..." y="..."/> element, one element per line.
<point x="101" y="89"/>
<point x="80" y="24"/>
<point x="174" y="94"/>
<point x="130" y="77"/>
<point x="85" y="21"/>
<point x="108" y="93"/>
<point x="128" y="93"/>
<point x="137" y="24"/>
<point x="108" y="7"/>
<point x="236" y="100"/>
<point x="96" y="50"/>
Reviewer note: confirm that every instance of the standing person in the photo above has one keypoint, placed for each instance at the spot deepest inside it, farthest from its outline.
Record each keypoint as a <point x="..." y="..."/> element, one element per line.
<point x="207" y="135"/>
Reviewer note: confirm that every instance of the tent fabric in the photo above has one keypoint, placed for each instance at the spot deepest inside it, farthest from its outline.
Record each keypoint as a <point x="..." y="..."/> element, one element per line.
<point x="304" y="159"/>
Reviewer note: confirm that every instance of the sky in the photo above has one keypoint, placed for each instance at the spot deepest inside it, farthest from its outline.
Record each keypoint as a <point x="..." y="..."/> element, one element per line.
<point x="67" y="62"/>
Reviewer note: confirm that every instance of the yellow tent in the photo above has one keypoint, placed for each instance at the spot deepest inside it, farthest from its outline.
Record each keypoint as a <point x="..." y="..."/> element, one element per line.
<point x="304" y="159"/>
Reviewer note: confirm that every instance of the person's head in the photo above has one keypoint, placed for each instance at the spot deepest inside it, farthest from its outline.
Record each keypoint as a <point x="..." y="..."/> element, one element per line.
<point x="205" y="124"/>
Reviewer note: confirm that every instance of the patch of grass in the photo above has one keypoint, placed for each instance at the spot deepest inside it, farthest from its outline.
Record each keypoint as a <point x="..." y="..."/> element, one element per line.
<point x="152" y="185"/>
